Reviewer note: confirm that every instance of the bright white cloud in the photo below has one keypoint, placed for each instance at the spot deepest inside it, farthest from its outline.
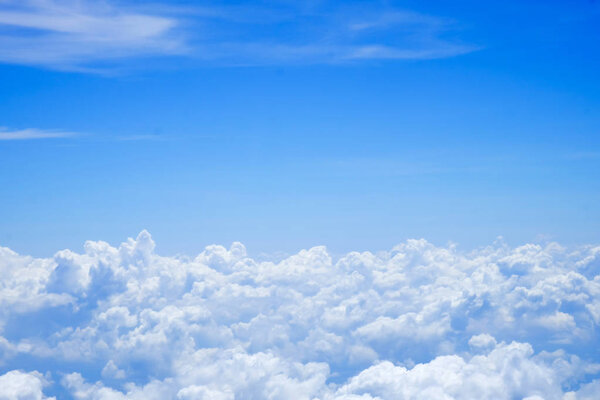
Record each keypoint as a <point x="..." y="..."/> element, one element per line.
<point x="415" y="322"/>
<point x="18" y="385"/>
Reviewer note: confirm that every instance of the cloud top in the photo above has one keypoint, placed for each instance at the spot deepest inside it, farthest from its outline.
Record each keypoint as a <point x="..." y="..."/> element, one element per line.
<point x="415" y="322"/>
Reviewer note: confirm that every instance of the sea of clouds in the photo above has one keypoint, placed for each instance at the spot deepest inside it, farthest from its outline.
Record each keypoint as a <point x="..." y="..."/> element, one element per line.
<point x="415" y="322"/>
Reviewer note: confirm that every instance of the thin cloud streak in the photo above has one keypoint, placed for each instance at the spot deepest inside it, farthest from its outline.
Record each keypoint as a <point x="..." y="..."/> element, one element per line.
<point x="32" y="133"/>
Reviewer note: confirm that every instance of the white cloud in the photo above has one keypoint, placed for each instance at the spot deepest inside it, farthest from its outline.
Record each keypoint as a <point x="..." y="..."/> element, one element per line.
<point x="32" y="133"/>
<point x="93" y="36"/>
<point x="70" y="34"/>
<point x="482" y="341"/>
<point x="18" y="385"/>
<point x="418" y="321"/>
<point x="587" y="392"/>
<point x="110" y="370"/>
<point x="507" y="372"/>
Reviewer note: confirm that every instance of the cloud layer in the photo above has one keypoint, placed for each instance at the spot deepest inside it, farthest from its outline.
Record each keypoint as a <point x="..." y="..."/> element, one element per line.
<point x="415" y="322"/>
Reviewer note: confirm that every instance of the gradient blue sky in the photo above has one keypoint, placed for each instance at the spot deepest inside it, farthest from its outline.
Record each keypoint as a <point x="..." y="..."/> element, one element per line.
<point x="285" y="126"/>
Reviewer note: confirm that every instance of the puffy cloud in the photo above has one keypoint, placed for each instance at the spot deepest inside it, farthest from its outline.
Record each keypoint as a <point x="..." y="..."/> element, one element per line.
<point x="18" y="385"/>
<point x="482" y="341"/>
<point x="508" y="372"/>
<point x="23" y="284"/>
<point x="418" y="321"/>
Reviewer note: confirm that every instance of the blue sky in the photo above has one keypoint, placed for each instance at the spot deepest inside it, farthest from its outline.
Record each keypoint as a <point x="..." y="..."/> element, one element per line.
<point x="240" y="190"/>
<point x="286" y="125"/>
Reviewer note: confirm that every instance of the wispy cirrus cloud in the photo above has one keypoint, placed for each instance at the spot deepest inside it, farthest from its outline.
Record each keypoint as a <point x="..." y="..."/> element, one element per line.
<point x="92" y="36"/>
<point x="326" y="34"/>
<point x="33" y="133"/>
<point x="68" y="34"/>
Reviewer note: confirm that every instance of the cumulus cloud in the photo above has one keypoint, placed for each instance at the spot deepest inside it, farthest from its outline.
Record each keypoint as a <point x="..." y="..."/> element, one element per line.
<point x="415" y="322"/>
<point x="18" y="385"/>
